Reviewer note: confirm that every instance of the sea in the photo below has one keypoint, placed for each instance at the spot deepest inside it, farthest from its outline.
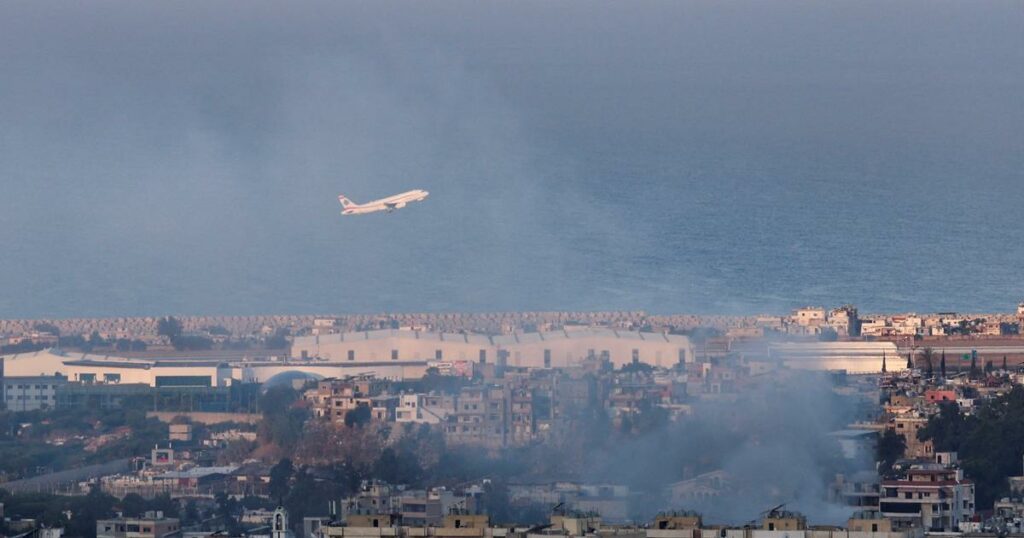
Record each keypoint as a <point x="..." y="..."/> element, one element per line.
<point x="693" y="157"/>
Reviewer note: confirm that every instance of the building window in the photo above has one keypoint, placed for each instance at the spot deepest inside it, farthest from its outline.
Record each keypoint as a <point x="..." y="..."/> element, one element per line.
<point x="547" y="358"/>
<point x="636" y="356"/>
<point x="183" y="381"/>
<point x="394" y="354"/>
<point x="483" y="356"/>
<point x="682" y="356"/>
<point x="438" y="355"/>
<point x="351" y="354"/>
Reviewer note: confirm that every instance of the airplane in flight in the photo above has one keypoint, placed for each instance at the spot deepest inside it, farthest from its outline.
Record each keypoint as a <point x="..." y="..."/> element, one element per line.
<point x="389" y="204"/>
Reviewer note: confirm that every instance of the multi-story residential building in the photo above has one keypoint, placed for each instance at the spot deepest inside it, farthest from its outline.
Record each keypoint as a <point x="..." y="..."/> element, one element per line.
<point x="931" y="496"/>
<point x="907" y="425"/>
<point x="860" y="490"/>
<point x="844" y="321"/>
<point x="151" y="525"/>
<point x="334" y="398"/>
<point x="424" y="408"/>
<point x="522" y="428"/>
<point x="480" y="417"/>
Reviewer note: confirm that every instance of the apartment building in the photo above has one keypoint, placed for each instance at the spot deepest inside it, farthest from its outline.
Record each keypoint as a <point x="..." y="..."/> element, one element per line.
<point x="151" y="525"/>
<point x="480" y="418"/>
<point x="933" y="496"/>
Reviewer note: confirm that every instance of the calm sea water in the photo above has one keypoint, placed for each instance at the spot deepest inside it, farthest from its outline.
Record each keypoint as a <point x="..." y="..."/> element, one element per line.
<point x="685" y="158"/>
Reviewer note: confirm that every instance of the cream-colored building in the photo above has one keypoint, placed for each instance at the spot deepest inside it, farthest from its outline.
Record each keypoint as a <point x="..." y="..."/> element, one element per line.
<point x="93" y="368"/>
<point x="553" y="349"/>
<point x="853" y="356"/>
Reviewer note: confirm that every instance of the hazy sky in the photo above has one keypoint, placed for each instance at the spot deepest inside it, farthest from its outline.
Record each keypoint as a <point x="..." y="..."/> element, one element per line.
<point x="699" y="156"/>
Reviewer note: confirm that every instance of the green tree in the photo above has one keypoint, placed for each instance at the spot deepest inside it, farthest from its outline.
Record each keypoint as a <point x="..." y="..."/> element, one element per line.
<point x="282" y="421"/>
<point x="279" y="340"/>
<point x="891" y="447"/>
<point x="133" y="505"/>
<point x="45" y="327"/>
<point x="169" y="327"/>
<point x="359" y="416"/>
<point x="397" y="468"/>
<point x="192" y="515"/>
<point x="280" y="477"/>
<point x="227" y="508"/>
<point x="990" y="441"/>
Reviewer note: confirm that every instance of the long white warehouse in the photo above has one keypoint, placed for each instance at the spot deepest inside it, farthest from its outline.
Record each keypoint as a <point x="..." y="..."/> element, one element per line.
<point x="536" y="350"/>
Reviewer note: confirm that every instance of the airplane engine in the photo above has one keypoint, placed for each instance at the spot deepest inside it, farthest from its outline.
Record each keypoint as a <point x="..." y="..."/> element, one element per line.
<point x="400" y="205"/>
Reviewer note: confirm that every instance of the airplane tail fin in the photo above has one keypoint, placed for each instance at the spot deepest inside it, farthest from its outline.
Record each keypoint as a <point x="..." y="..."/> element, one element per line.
<point x="345" y="202"/>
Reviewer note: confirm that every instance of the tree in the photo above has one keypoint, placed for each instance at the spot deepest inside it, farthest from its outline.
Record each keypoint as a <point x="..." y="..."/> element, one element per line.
<point x="133" y="505"/>
<point x="359" y="416"/>
<point x="194" y="343"/>
<point x="910" y="361"/>
<point x="990" y="441"/>
<point x="397" y="468"/>
<point x="226" y="509"/>
<point x="989" y="368"/>
<point x="44" y="327"/>
<point x="891" y="447"/>
<point x="192" y="512"/>
<point x="945" y="428"/>
<point x="1004" y="364"/>
<point x="169" y="327"/>
<point x="974" y="366"/>
<point x="942" y="365"/>
<point x="927" y="355"/>
<point x="280" y="475"/>
<point x="95" y="340"/>
<point x="279" y="340"/>
<point x="282" y="420"/>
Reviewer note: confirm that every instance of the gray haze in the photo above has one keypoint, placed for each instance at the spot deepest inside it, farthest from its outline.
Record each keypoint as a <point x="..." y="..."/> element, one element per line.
<point x="673" y="156"/>
<point x="771" y="440"/>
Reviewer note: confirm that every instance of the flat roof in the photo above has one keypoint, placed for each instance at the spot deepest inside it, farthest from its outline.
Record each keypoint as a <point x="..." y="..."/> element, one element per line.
<point x="574" y="333"/>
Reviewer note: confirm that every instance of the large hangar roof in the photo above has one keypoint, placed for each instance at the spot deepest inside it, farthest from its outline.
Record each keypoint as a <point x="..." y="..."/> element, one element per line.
<point x="501" y="340"/>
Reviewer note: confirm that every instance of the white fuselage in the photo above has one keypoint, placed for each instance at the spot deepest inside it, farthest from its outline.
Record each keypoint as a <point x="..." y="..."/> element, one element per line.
<point x="388" y="204"/>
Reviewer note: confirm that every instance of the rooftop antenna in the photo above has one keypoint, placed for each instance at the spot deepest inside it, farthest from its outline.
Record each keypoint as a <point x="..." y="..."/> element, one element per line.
<point x="774" y="510"/>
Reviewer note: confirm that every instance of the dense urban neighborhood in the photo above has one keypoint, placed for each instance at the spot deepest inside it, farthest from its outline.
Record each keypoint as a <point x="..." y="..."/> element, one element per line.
<point x="818" y="423"/>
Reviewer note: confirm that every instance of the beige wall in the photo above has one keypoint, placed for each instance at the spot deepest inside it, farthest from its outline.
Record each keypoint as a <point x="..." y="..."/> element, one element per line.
<point x="526" y="351"/>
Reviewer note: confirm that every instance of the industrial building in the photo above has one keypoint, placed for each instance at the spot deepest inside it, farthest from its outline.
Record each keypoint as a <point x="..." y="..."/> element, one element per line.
<point x="553" y="349"/>
<point x="91" y="368"/>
